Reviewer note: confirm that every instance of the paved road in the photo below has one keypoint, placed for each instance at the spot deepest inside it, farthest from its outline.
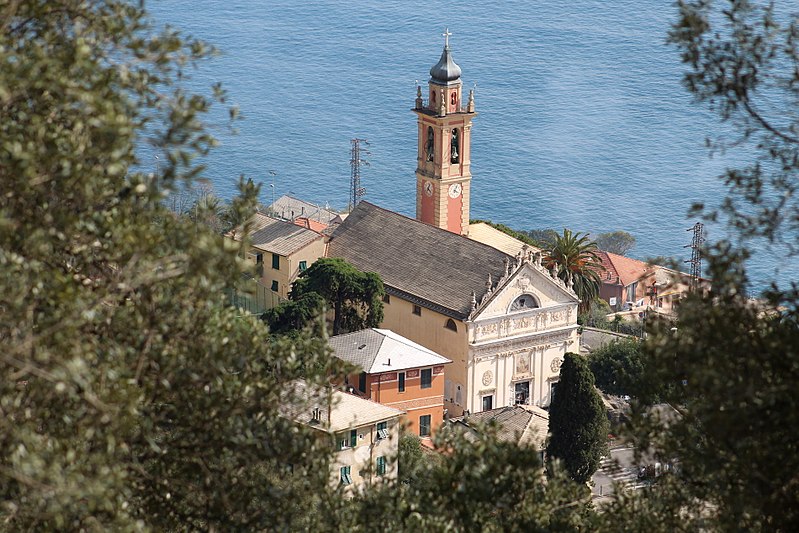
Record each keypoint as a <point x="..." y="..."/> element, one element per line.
<point x="619" y="467"/>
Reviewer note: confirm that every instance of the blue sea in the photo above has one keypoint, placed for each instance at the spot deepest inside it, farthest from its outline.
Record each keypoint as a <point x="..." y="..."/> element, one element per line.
<point x="583" y="122"/>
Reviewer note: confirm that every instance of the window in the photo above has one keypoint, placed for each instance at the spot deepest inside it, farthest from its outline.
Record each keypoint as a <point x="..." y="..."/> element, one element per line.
<point x="552" y="388"/>
<point x="417" y="310"/>
<point x="631" y="290"/>
<point x="362" y="382"/>
<point x="401" y="386"/>
<point x="424" y="426"/>
<point x="346" y="478"/>
<point x="386" y="299"/>
<point x="451" y="325"/>
<point x="454" y="144"/>
<point x="522" y="393"/>
<point x="381" y="466"/>
<point x="488" y="402"/>
<point x="274" y="285"/>
<point x="259" y="259"/>
<point x="427" y="378"/>
<point x="276" y="261"/>
<point x="351" y="442"/>
<point x="382" y="430"/>
<point x="303" y="266"/>
<point x="525" y="301"/>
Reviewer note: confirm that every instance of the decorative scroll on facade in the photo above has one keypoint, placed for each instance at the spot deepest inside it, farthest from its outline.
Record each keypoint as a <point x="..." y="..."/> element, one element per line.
<point x="532" y="322"/>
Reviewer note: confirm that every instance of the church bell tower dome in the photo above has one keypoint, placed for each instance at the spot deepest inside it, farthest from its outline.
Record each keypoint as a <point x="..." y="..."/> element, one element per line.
<point x="446" y="70"/>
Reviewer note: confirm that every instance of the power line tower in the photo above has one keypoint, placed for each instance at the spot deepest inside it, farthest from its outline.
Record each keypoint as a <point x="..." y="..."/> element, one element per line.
<point x="696" y="253"/>
<point x="356" y="160"/>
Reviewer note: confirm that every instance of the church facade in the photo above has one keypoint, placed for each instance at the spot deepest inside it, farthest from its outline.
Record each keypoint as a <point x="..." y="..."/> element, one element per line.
<point x="503" y="319"/>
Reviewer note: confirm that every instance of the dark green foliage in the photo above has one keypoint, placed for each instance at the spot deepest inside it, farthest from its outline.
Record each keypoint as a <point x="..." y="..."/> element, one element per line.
<point x="575" y="256"/>
<point x="131" y="398"/>
<point x="732" y="371"/>
<point x="731" y="365"/>
<point x="291" y="316"/>
<point x="618" y="367"/>
<point x="545" y="238"/>
<point x="596" y="316"/>
<point x="477" y="485"/>
<point x="413" y="460"/>
<point x="664" y="261"/>
<point x="578" y="424"/>
<point x="615" y="242"/>
<point x="356" y="297"/>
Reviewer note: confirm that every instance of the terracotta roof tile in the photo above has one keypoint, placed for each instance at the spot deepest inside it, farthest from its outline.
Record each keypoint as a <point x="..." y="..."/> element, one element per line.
<point x="307" y="223"/>
<point x="620" y="269"/>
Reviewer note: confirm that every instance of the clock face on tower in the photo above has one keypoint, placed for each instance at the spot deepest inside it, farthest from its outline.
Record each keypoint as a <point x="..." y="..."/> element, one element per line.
<point x="428" y="188"/>
<point x="455" y="190"/>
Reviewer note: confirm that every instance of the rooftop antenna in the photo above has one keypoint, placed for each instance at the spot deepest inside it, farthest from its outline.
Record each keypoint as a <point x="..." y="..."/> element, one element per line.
<point x="272" y="173"/>
<point x="696" y="253"/>
<point x="356" y="160"/>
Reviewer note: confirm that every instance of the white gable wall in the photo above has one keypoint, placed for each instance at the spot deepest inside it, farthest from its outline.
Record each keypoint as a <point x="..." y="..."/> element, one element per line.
<point x="524" y="347"/>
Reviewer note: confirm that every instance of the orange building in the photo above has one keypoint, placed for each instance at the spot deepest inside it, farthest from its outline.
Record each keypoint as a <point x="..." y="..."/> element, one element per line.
<point x="398" y="373"/>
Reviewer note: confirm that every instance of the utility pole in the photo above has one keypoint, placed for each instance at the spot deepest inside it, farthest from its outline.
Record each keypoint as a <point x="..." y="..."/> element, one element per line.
<point x="356" y="159"/>
<point x="696" y="253"/>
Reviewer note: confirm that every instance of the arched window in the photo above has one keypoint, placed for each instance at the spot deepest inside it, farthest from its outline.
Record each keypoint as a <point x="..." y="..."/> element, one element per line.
<point x="454" y="155"/>
<point x="451" y="325"/>
<point x="525" y="301"/>
<point x="429" y="147"/>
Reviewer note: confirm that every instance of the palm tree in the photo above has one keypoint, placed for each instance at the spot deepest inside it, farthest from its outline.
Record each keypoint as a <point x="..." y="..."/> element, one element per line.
<point x="576" y="257"/>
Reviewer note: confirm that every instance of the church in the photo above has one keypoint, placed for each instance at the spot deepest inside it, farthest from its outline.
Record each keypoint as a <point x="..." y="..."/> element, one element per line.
<point x="468" y="292"/>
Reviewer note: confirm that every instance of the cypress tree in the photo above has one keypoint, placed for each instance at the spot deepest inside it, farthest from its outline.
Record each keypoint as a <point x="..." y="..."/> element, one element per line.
<point x="577" y="422"/>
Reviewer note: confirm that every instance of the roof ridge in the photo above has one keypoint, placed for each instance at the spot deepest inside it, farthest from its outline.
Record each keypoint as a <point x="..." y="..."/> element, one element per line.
<point x="424" y="224"/>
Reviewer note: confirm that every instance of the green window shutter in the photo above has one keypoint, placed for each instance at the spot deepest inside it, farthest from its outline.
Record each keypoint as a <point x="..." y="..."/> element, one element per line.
<point x="303" y="266"/>
<point x="276" y="261"/>
<point x="275" y="285"/>
<point x="381" y="466"/>
<point x="353" y="438"/>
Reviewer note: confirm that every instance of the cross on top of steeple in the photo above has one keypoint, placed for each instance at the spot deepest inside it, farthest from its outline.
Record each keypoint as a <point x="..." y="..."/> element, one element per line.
<point x="446" y="35"/>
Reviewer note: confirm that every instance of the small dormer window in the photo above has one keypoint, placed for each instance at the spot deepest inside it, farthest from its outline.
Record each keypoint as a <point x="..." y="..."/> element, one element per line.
<point x="525" y="301"/>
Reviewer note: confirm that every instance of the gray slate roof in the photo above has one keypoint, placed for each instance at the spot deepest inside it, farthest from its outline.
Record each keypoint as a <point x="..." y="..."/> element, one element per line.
<point x="381" y="350"/>
<point x="289" y="208"/>
<point x="520" y="424"/>
<point x="446" y="69"/>
<point x="279" y="237"/>
<point x="435" y="268"/>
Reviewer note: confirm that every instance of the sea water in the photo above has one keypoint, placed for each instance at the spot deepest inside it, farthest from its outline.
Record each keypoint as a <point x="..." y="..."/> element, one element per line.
<point x="583" y="122"/>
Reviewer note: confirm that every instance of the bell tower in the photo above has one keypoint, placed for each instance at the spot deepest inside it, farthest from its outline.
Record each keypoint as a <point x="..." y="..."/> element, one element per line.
<point x="443" y="176"/>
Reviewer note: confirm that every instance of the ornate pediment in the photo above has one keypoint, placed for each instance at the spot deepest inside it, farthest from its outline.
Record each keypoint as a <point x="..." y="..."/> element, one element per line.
<point x="527" y="288"/>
